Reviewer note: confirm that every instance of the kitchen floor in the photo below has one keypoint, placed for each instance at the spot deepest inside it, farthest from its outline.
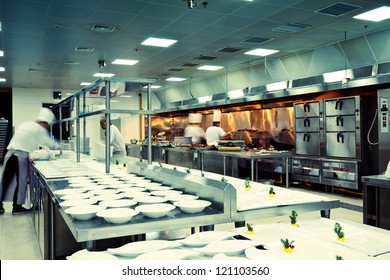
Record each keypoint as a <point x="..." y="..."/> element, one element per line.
<point x="18" y="240"/>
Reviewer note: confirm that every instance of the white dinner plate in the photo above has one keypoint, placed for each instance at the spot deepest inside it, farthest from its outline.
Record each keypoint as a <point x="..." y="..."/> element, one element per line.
<point x="227" y="247"/>
<point x="134" y="249"/>
<point x="205" y="237"/>
<point x="87" y="255"/>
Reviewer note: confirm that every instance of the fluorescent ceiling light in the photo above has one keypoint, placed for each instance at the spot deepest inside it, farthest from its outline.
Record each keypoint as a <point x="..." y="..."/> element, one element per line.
<point x="103" y="74"/>
<point x="176" y="79"/>
<point x="209" y="67"/>
<point x="2" y="80"/>
<point x="158" y="42"/>
<point x="235" y="93"/>
<point x="2" y="69"/>
<point x="69" y="94"/>
<point x="276" y="86"/>
<point x="113" y="101"/>
<point x="85" y="84"/>
<point x="126" y="96"/>
<point x="1" y="53"/>
<point x="153" y="86"/>
<point x="125" y="61"/>
<point x="204" y="99"/>
<point x="261" y="52"/>
<point x="376" y="15"/>
<point x="337" y="76"/>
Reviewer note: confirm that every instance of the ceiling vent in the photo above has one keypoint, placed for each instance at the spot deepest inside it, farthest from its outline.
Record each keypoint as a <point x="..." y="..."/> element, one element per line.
<point x="175" y="69"/>
<point x="83" y="49"/>
<point x="103" y="28"/>
<point x="338" y="9"/>
<point x="205" y="57"/>
<point x="291" y="27"/>
<point x="163" y="75"/>
<point x="256" y="40"/>
<point x="189" y="65"/>
<point x="229" y="50"/>
<point x="72" y="62"/>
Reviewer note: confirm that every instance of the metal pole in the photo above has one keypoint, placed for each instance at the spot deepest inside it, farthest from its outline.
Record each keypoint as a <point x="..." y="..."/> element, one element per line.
<point x="77" y="128"/>
<point x="108" y="121"/>
<point x="60" y="124"/>
<point x="84" y="123"/>
<point x="149" y="98"/>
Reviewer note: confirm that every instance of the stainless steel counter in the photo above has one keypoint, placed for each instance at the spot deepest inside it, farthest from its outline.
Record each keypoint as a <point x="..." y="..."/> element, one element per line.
<point x="62" y="233"/>
<point x="252" y="156"/>
<point x="376" y="197"/>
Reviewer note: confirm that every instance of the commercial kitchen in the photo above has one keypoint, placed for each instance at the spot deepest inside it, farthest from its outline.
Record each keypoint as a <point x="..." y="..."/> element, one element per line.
<point x="301" y="87"/>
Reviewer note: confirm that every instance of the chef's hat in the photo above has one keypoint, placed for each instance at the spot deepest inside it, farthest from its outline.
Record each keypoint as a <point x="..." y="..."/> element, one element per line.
<point x="217" y="115"/>
<point x="46" y="115"/>
<point x="195" y="118"/>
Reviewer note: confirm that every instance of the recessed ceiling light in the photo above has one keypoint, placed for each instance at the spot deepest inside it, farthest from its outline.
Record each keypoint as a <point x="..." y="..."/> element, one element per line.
<point x="261" y="52"/>
<point x="126" y="96"/>
<point x="1" y="53"/>
<point x="153" y="86"/>
<point x="158" y="42"/>
<point x="2" y="80"/>
<point x="209" y="67"/>
<point x="376" y="15"/>
<point x="176" y="79"/>
<point x="85" y="84"/>
<point x="103" y="74"/>
<point x="125" y="61"/>
<point x="2" y="69"/>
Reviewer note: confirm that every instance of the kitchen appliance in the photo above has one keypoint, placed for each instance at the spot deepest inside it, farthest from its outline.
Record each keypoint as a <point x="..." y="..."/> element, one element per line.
<point x="308" y="128"/>
<point x="230" y="145"/>
<point x="383" y="130"/>
<point x="3" y="137"/>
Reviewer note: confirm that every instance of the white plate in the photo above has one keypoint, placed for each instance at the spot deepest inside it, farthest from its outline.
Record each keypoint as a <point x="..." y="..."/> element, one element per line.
<point x="135" y="194"/>
<point x="182" y="197"/>
<point x="158" y="188"/>
<point x="166" y="193"/>
<point x="134" y="249"/>
<point x="192" y="206"/>
<point x="114" y="196"/>
<point x="86" y="255"/>
<point x="149" y="199"/>
<point x="77" y="202"/>
<point x="205" y="237"/>
<point x="228" y="247"/>
<point x="103" y="192"/>
<point x="77" y="196"/>
<point x="157" y="210"/>
<point x="117" y="215"/>
<point x="131" y="189"/>
<point x="63" y="192"/>
<point x="84" y="213"/>
<point x="94" y="187"/>
<point x="170" y="254"/>
<point x="118" y="203"/>
<point x="223" y="257"/>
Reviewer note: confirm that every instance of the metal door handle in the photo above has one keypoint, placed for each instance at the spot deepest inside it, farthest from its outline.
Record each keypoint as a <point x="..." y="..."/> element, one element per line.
<point x="339" y="105"/>
<point x="306" y="108"/>
<point x="339" y="121"/>
<point x="306" y="136"/>
<point x="340" y="136"/>
<point x="306" y="122"/>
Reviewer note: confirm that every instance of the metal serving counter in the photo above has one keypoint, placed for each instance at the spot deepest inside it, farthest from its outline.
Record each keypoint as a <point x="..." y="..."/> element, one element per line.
<point x="61" y="234"/>
<point x="250" y="155"/>
<point x="376" y="197"/>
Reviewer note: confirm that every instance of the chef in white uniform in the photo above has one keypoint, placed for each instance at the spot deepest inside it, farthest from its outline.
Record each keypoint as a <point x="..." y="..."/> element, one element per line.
<point x="15" y="173"/>
<point x="116" y="140"/>
<point x="193" y="129"/>
<point x="215" y="132"/>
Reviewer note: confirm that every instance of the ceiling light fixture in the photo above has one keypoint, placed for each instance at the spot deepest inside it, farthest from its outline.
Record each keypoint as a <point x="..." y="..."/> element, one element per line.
<point x="375" y="15"/>
<point x="2" y="80"/>
<point x="125" y="61"/>
<point x="152" y="86"/>
<point x="209" y="67"/>
<point x="158" y="42"/>
<point x="2" y="69"/>
<point x="105" y="75"/>
<point x="85" y="84"/>
<point x="101" y="63"/>
<point x="261" y="52"/>
<point x="176" y="79"/>
<point x="1" y="53"/>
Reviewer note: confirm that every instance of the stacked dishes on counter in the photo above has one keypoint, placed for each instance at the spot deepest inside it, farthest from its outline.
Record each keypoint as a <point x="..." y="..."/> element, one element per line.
<point x="118" y="198"/>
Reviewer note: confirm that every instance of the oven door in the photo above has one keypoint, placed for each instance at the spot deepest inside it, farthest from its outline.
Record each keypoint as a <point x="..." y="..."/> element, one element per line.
<point x="307" y="143"/>
<point x="341" y="144"/>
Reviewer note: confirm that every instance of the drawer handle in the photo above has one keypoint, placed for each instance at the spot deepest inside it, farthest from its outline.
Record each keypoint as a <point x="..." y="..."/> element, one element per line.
<point x="339" y="121"/>
<point x="340" y="136"/>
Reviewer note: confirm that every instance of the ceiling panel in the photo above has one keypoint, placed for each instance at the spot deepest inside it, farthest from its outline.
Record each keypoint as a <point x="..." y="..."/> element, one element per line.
<point x="43" y="34"/>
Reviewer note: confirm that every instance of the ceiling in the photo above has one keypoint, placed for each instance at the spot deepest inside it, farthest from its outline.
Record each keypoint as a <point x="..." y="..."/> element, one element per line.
<point x="39" y="37"/>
